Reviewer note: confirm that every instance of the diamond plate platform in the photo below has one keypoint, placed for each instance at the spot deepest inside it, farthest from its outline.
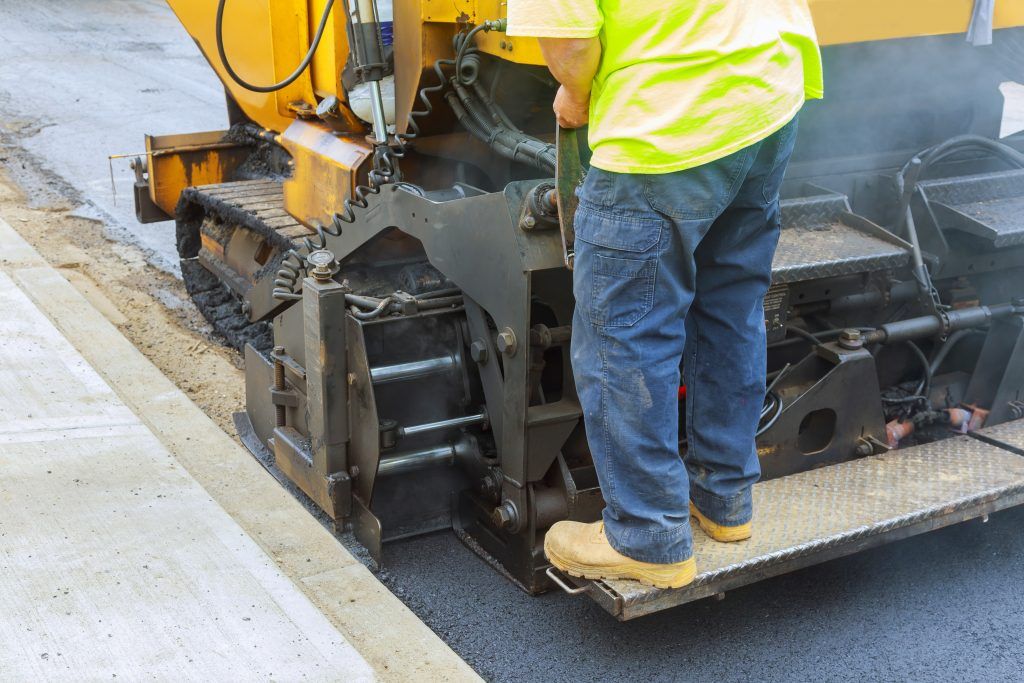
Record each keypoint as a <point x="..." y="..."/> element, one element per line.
<point x="1009" y="435"/>
<point x="822" y="514"/>
<point x="988" y="206"/>
<point x="821" y="238"/>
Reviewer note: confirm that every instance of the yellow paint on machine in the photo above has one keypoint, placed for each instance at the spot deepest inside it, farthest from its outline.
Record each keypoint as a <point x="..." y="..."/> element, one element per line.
<point x="187" y="160"/>
<point x="324" y="173"/>
<point x="266" y="40"/>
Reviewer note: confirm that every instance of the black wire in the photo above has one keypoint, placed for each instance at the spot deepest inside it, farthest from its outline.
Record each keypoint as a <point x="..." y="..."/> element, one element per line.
<point x="924" y="388"/>
<point x="813" y="339"/>
<point x="294" y="75"/>
<point x="772" y="406"/>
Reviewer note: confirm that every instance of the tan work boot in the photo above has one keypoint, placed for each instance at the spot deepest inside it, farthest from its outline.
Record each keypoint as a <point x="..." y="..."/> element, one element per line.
<point x="583" y="550"/>
<point x="720" y="533"/>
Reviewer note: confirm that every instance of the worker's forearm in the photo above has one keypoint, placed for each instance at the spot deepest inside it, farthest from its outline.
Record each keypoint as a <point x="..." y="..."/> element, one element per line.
<point x="573" y="61"/>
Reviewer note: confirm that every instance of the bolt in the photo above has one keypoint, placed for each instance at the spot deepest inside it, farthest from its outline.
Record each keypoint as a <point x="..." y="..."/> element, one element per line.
<point x="353" y="471"/>
<point x="503" y="44"/>
<point x="864" y="449"/>
<point x="478" y="351"/>
<point x="851" y="339"/>
<point x="528" y="222"/>
<point x="505" y="516"/>
<point x="507" y="342"/>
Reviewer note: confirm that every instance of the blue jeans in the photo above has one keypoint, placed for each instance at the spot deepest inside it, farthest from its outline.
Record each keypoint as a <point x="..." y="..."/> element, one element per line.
<point x="671" y="270"/>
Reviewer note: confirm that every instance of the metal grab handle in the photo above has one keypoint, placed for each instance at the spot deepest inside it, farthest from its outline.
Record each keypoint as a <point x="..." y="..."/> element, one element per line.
<point x="550" y="571"/>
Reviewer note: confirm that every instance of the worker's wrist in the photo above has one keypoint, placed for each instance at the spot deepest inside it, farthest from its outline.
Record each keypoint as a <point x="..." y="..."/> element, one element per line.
<point x="577" y="95"/>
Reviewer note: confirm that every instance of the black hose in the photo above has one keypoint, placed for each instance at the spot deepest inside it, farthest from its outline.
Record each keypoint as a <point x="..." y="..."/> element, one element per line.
<point x="804" y="334"/>
<point x="925" y="385"/>
<point x="772" y="406"/>
<point x="294" y="75"/>
<point x="953" y="340"/>
<point x="777" y="405"/>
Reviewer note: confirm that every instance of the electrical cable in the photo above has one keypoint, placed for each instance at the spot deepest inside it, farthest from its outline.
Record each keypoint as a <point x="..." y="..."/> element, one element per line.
<point x="219" y="34"/>
<point x="946" y="347"/>
<point x="924" y="387"/>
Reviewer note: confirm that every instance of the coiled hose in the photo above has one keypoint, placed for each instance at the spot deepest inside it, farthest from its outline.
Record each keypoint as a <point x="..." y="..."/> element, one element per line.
<point x="384" y="171"/>
<point x="475" y="110"/>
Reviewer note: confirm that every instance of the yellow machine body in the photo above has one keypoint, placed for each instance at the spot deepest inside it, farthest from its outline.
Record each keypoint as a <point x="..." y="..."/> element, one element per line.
<point x="265" y="40"/>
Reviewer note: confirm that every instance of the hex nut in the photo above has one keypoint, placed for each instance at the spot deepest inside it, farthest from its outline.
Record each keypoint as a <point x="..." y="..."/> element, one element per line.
<point x="851" y="339"/>
<point x="507" y="342"/>
<point x="478" y="351"/>
<point x="505" y="516"/>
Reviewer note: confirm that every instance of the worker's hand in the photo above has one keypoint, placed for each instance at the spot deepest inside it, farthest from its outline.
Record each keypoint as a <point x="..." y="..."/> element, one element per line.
<point x="571" y="111"/>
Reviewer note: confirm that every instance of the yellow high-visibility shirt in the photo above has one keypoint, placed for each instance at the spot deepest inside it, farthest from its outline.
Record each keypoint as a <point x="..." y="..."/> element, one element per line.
<point x="684" y="82"/>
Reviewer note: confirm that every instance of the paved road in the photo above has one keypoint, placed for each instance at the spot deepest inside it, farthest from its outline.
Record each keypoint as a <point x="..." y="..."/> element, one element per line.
<point x="941" y="607"/>
<point x="83" y="80"/>
<point x="88" y="78"/>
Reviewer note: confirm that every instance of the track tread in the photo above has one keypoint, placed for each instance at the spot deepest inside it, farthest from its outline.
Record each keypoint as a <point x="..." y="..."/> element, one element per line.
<point x="256" y="205"/>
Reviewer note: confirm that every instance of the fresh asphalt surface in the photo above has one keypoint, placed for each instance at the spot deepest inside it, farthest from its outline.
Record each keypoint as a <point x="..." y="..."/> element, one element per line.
<point x="81" y="80"/>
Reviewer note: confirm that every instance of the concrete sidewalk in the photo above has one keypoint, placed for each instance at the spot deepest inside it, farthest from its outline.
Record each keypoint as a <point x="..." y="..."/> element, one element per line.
<point x="139" y="541"/>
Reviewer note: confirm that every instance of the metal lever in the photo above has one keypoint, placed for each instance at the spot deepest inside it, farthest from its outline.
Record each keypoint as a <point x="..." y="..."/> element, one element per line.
<point x="550" y="571"/>
<point x="569" y="172"/>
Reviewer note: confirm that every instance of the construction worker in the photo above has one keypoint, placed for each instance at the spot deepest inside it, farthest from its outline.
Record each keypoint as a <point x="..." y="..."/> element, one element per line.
<point x="692" y="108"/>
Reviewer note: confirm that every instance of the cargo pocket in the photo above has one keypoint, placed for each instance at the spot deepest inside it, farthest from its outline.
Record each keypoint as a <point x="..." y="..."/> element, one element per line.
<point x="619" y="231"/>
<point x="617" y="251"/>
<point x="622" y="290"/>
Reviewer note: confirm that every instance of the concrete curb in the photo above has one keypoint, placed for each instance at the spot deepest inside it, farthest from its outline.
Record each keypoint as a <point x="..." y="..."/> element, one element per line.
<point x="384" y="631"/>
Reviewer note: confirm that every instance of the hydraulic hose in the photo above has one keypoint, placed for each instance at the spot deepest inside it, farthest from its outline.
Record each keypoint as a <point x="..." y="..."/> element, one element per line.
<point x="303" y="65"/>
<point x="906" y="185"/>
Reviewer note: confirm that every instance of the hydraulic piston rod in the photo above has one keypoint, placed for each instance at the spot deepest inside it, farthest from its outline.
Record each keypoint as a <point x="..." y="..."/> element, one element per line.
<point x="443" y="424"/>
<point x="931" y="325"/>
<point x="412" y="370"/>
<point x="411" y="461"/>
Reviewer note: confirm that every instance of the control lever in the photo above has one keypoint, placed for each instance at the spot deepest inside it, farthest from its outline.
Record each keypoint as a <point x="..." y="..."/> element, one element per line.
<point x="570" y="170"/>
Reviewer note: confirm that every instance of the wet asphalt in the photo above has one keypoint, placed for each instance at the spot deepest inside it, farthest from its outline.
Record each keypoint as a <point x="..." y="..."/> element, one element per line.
<point x="81" y="80"/>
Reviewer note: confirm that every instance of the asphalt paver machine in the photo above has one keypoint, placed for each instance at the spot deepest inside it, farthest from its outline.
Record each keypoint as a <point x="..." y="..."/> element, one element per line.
<point x="385" y="230"/>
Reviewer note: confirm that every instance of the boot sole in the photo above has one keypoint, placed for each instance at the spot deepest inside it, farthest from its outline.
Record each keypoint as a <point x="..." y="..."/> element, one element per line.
<point x="656" y="578"/>
<point x="722" y="534"/>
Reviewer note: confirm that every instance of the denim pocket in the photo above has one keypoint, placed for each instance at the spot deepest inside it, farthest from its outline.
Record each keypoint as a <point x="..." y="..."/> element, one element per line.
<point x="623" y="232"/>
<point x="622" y="290"/>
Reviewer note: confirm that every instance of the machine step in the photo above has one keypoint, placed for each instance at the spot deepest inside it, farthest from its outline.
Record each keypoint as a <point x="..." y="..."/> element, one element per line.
<point x="986" y="206"/>
<point x="814" y="516"/>
<point x="1009" y="435"/>
<point x="821" y="238"/>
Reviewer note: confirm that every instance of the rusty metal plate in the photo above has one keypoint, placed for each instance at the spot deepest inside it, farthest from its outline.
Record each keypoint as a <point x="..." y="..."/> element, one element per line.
<point x="1008" y="435"/>
<point x="818" y="515"/>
